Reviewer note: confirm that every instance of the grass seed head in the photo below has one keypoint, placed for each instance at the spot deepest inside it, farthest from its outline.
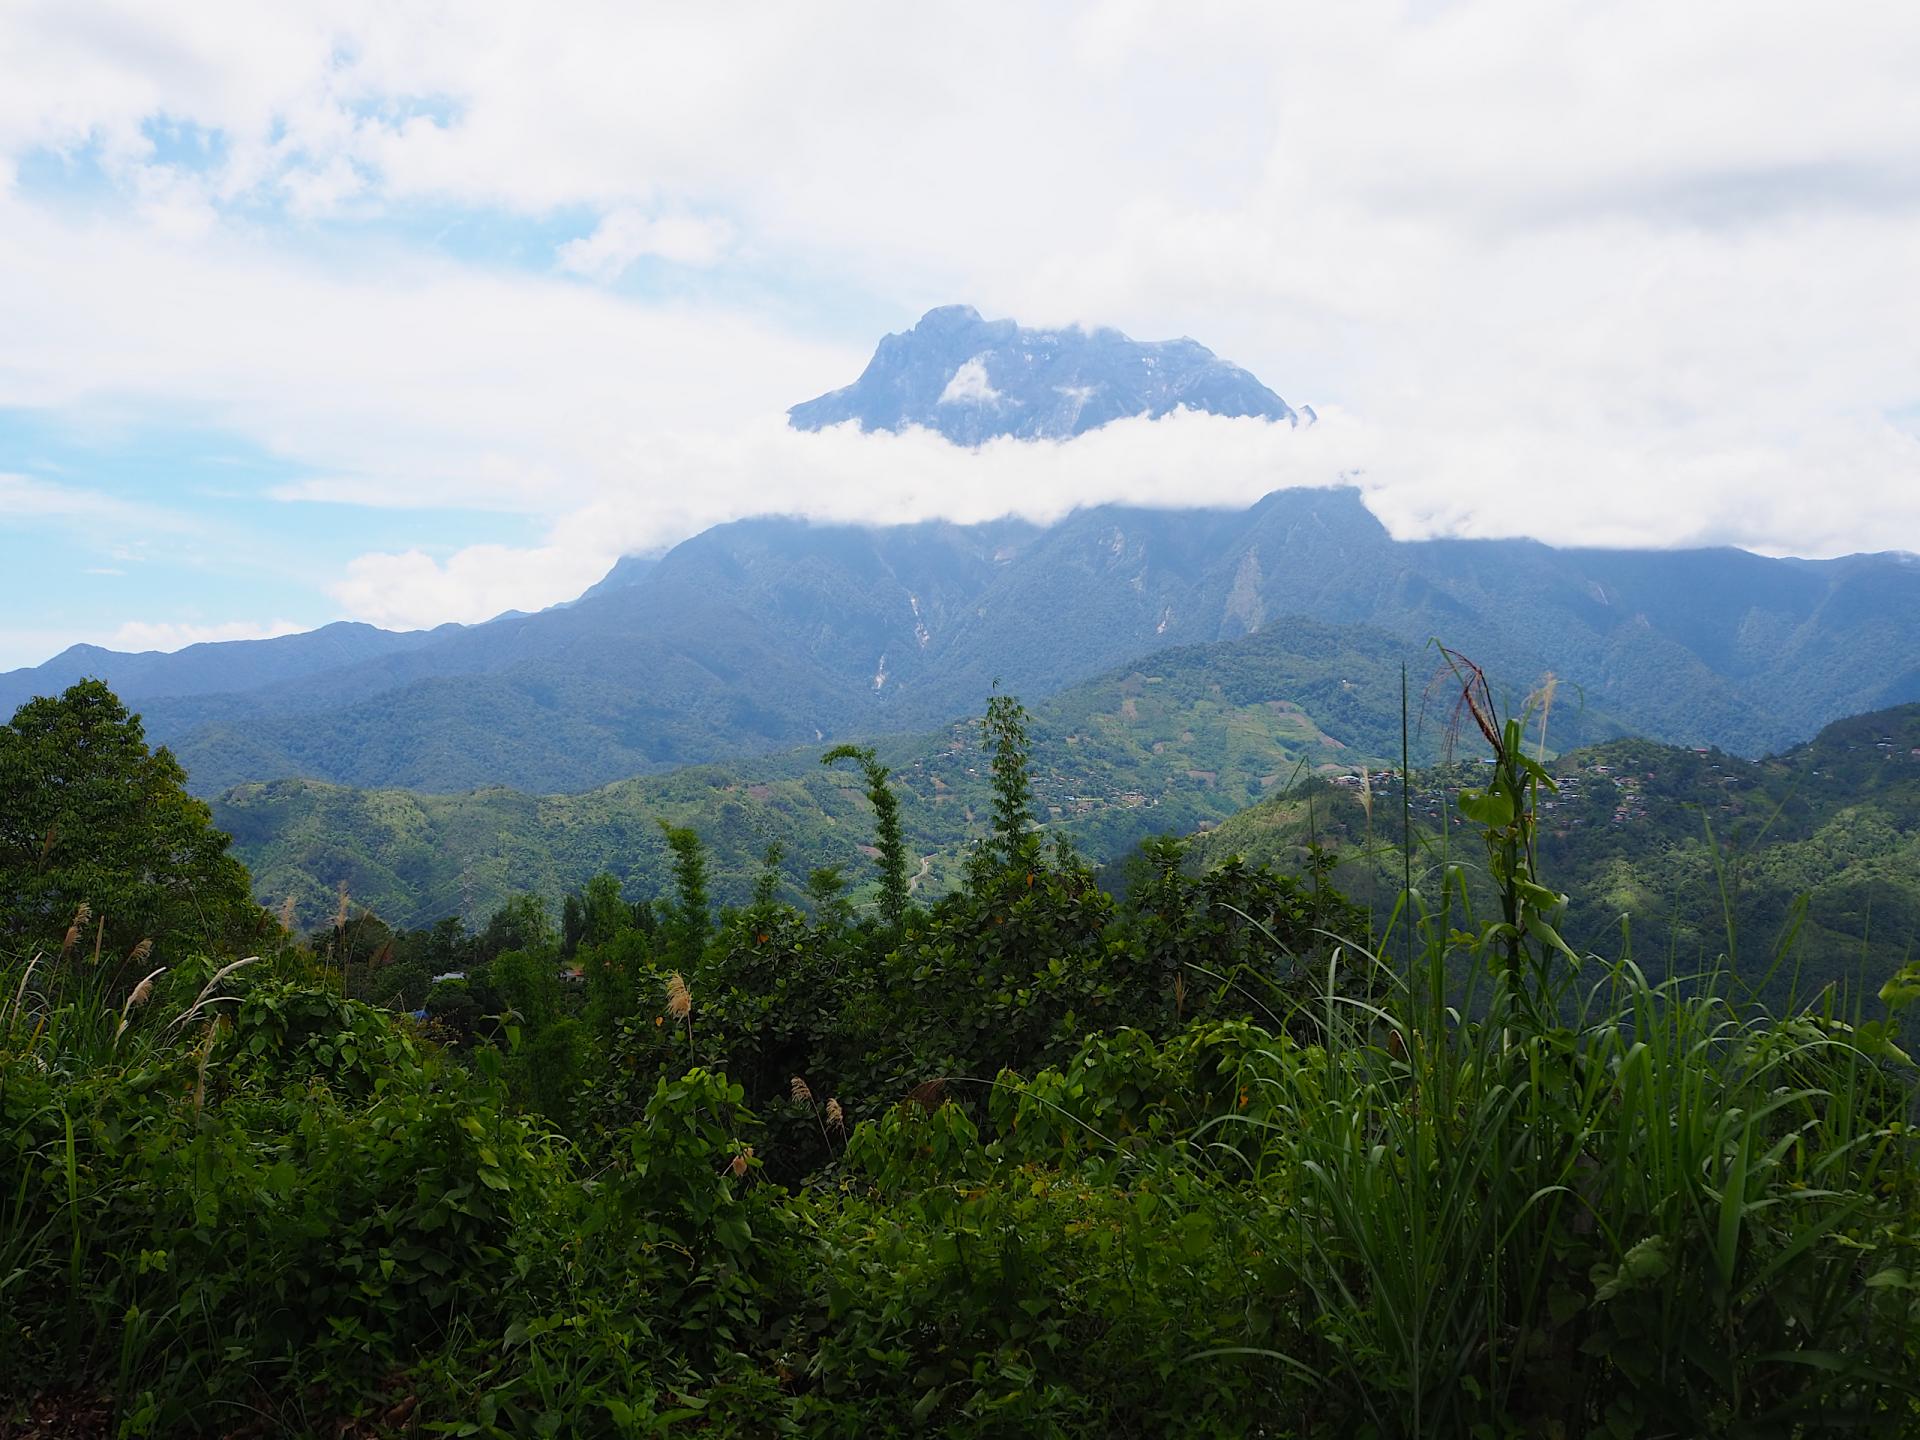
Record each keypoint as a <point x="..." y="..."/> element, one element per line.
<point x="80" y="919"/>
<point x="801" y="1091"/>
<point x="679" y="998"/>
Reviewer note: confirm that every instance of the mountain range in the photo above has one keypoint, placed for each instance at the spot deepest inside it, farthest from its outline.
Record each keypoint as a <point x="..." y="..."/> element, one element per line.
<point x="764" y="634"/>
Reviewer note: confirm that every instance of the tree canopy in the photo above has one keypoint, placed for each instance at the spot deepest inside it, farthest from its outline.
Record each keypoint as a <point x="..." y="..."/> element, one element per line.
<point x="94" y="817"/>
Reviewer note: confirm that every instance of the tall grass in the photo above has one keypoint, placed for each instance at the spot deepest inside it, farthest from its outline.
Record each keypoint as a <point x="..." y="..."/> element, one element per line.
<point x="1521" y="1191"/>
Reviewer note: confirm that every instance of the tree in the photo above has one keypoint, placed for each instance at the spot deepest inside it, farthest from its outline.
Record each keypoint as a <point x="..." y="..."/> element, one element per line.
<point x="1004" y="732"/>
<point x="689" y="915"/>
<point x="520" y="924"/>
<point x="888" y="840"/>
<point x="604" y="915"/>
<point x="92" y="816"/>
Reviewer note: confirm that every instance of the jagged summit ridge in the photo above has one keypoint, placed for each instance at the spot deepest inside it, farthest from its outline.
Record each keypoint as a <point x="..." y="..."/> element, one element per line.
<point x="973" y="380"/>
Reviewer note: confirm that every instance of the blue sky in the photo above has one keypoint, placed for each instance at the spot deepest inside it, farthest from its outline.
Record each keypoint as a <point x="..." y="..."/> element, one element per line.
<point x="387" y="312"/>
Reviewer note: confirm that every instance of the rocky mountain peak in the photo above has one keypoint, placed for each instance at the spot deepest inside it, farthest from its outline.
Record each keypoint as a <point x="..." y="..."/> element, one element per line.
<point x="972" y="380"/>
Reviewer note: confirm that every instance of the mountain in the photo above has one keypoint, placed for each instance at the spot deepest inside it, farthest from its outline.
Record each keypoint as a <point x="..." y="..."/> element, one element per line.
<point x="765" y="634"/>
<point x="974" y="380"/>
<point x="1181" y="740"/>
<point x="213" y="667"/>
<point x="1705" y="853"/>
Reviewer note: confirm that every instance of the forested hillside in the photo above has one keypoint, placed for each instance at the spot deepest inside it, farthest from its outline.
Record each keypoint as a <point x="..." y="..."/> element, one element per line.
<point x="763" y="635"/>
<point x="1189" y="737"/>
<point x="1679" y="856"/>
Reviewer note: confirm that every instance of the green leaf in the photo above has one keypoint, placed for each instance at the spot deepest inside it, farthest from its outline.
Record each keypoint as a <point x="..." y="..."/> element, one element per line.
<point x="924" y="1406"/>
<point x="1492" y="809"/>
<point x="1903" y="989"/>
<point x="1643" y="1264"/>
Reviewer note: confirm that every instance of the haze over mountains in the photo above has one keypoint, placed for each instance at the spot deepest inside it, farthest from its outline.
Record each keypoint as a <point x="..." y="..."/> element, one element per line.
<point x="768" y="633"/>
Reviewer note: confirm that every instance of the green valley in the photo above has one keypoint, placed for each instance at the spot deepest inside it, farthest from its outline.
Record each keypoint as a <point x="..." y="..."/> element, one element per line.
<point x="1179" y="742"/>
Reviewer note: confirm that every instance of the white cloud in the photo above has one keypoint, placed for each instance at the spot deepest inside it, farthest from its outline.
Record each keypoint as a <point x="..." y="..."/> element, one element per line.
<point x="1631" y="274"/>
<point x="414" y="591"/>
<point x="405" y="381"/>
<point x="970" y="386"/>
<point x="627" y="235"/>
<point x="138" y="635"/>
<point x="28" y="500"/>
<point x="676" y="484"/>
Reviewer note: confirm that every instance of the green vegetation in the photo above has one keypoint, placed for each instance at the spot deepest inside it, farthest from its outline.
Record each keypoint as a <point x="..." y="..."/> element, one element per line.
<point x="93" y="820"/>
<point x="1028" y="1159"/>
<point x="1165" y="749"/>
<point x="1802" y="870"/>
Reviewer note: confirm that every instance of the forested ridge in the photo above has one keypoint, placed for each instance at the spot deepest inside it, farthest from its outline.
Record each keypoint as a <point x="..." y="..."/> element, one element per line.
<point x="769" y="633"/>
<point x="1187" y="738"/>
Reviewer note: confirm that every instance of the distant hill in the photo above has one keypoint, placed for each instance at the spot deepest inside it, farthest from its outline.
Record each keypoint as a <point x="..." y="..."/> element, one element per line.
<point x="974" y="380"/>
<point x="765" y="634"/>
<point x="215" y="667"/>
<point x="1684" y="843"/>
<point x="1183" y="739"/>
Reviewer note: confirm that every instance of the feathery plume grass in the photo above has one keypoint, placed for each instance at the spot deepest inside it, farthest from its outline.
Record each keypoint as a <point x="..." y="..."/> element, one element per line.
<point x="80" y="919"/>
<point x="1543" y="697"/>
<point x="802" y="1094"/>
<point x="206" y="996"/>
<point x="680" y="1006"/>
<point x="140" y="952"/>
<point x="286" y="913"/>
<point x="137" y="997"/>
<point x="202" y="1052"/>
<point x="836" y="1117"/>
<point x="679" y="998"/>
<point x="20" y="993"/>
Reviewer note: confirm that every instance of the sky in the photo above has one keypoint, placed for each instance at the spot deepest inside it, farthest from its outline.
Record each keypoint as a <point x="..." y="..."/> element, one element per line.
<point x="418" y="312"/>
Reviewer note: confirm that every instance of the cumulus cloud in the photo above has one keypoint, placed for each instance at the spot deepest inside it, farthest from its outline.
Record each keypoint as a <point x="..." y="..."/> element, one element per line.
<point x="627" y="235"/>
<point x="177" y="635"/>
<point x="412" y="590"/>
<point x="674" y="485"/>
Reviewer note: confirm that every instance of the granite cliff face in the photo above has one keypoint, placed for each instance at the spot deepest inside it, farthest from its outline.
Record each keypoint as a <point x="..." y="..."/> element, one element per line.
<point x="974" y="380"/>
